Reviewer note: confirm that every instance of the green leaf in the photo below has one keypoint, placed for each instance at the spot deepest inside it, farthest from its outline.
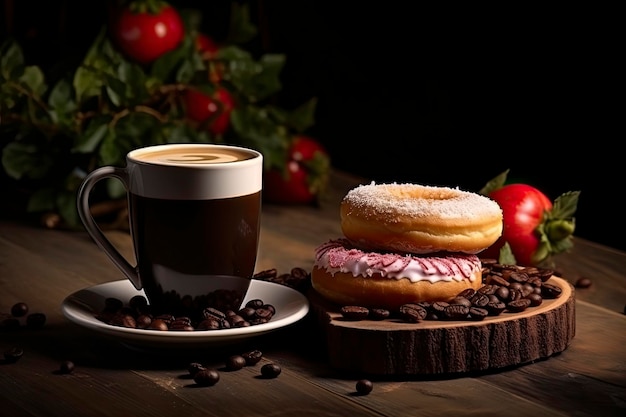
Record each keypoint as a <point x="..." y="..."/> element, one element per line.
<point x="86" y="83"/>
<point x="62" y="104"/>
<point x="565" y="205"/>
<point x="89" y="140"/>
<point x="299" y="119"/>
<point x="116" y="91"/>
<point x="11" y="60"/>
<point x="164" y="68"/>
<point x="24" y="160"/>
<point x="128" y="86"/>
<point x="66" y="206"/>
<point x="34" y="79"/>
<point x="257" y="80"/>
<point x="109" y="152"/>
<point x="495" y="183"/>
<point x="255" y="129"/>
<point x="41" y="200"/>
<point x="506" y="256"/>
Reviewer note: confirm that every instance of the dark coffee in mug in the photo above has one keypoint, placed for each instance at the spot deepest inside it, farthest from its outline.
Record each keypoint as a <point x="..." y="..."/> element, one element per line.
<point x="194" y="212"/>
<point x="182" y="240"/>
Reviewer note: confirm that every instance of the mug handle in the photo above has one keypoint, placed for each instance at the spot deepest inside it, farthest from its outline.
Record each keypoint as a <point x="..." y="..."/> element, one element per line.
<point x="92" y="227"/>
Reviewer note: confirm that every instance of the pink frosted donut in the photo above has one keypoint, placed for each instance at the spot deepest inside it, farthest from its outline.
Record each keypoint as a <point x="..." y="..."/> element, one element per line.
<point x="419" y="219"/>
<point x="346" y="275"/>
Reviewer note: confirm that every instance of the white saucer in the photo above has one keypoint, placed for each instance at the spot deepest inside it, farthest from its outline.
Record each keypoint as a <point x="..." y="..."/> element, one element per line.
<point x="82" y="306"/>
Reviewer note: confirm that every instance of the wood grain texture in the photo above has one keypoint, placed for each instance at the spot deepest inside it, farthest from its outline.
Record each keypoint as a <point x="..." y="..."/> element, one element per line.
<point x="433" y="347"/>
<point x="41" y="267"/>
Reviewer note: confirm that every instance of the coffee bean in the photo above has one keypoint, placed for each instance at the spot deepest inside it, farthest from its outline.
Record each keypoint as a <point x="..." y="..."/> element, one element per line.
<point x="479" y="300"/>
<point x="19" y="309"/>
<point x="255" y="303"/>
<point x="378" y="314"/>
<point x="467" y="293"/>
<point x="550" y="291"/>
<point x="143" y="321"/>
<point x="235" y="362"/>
<point x="270" y="370"/>
<point x="456" y="312"/>
<point x="35" y="320"/>
<point x="266" y="274"/>
<point x="113" y="304"/>
<point x="535" y="299"/>
<point x="458" y="300"/>
<point x="497" y="280"/>
<point x="583" y="283"/>
<point x="519" y="305"/>
<point x="194" y="367"/>
<point x="412" y="313"/>
<point x="13" y="354"/>
<point x="477" y="313"/>
<point x="158" y="324"/>
<point x="138" y="302"/>
<point x="502" y="293"/>
<point x="66" y="367"/>
<point x="264" y="313"/>
<point x="206" y="377"/>
<point x="364" y="386"/>
<point x="354" y="313"/>
<point x="252" y="357"/>
<point x="209" y="324"/>
<point x="495" y="308"/>
<point x="123" y="320"/>
<point x="247" y="312"/>
<point x="439" y="306"/>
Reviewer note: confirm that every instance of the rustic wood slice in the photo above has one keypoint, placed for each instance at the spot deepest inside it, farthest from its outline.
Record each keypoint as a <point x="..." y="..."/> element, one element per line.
<point x="393" y="347"/>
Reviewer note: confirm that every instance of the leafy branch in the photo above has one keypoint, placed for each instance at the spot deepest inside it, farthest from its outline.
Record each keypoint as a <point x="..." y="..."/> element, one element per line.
<point x="51" y="136"/>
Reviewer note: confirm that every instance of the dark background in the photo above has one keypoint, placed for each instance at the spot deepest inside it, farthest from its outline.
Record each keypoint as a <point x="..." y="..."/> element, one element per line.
<point x="449" y="96"/>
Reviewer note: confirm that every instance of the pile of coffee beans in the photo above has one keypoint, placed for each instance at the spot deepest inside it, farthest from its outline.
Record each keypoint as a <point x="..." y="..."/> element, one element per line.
<point x="506" y="288"/>
<point x="136" y="314"/>
<point x="298" y="278"/>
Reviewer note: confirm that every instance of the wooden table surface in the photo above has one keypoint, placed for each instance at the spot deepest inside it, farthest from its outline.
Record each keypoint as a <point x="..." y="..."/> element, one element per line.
<point x="41" y="267"/>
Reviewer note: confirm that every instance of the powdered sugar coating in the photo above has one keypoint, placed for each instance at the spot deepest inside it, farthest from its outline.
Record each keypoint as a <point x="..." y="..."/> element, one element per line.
<point x="339" y="255"/>
<point x="422" y="201"/>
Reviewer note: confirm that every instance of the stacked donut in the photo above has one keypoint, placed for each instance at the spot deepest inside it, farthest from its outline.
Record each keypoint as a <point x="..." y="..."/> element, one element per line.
<point x="406" y="243"/>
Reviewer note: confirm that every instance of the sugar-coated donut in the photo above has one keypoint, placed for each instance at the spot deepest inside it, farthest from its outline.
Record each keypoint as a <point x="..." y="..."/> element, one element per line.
<point x="419" y="219"/>
<point x="346" y="275"/>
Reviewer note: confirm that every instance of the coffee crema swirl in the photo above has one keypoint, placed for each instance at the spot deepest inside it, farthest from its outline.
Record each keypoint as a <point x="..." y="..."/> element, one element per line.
<point x="193" y="156"/>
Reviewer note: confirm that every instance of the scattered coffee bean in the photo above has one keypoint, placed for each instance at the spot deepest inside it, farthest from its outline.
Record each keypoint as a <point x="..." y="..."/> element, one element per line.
<point x="235" y="362"/>
<point x="252" y="357"/>
<point x="19" y="309"/>
<point x="270" y="370"/>
<point x="364" y="386"/>
<point x="206" y="377"/>
<point x="13" y="354"/>
<point x="194" y="367"/>
<point x="583" y="282"/>
<point x="66" y="367"/>
<point x="35" y="320"/>
<point x="10" y="323"/>
<point x="354" y="313"/>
